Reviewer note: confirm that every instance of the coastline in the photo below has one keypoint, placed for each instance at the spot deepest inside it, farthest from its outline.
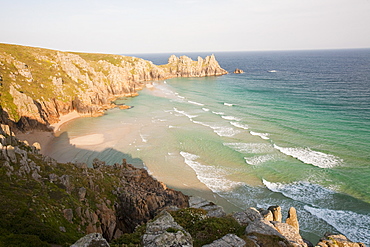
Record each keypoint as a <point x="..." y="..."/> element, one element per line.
<point x="45" y="137"/>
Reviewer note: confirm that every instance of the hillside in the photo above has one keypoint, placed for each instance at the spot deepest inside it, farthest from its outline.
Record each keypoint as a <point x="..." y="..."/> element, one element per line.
<point x="39" y="85"/>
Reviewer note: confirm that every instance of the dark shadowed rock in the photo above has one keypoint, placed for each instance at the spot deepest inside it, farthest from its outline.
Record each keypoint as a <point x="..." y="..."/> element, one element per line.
<point x="143" y="198"/>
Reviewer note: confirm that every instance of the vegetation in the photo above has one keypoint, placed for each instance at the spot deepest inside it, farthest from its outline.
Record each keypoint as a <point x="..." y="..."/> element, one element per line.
<point x="203" y="229"/>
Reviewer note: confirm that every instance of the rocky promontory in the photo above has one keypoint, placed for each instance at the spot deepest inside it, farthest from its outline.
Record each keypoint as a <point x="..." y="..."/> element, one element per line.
<point x="38" y="85"/>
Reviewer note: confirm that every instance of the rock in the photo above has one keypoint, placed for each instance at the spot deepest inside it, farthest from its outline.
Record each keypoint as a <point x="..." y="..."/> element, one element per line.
<point x="229" y="240"/>
<point x="337" y="240"/>
<point x="10" y="153"/>
<point x="143" y="198"/>
<point x="68" y="214"/>
<point x="164" y="231"/>
<point x="238" y="71"/>
<point x="290" y="233"/>
<point x="91" y="240"/>
<point x="212" y="209"/>
<point x="292" y="218"/>
<point x="248" y="216"/>
<point x="266" y="214"/>
<point x="276" y="213"/>
<point x="82" y="193"/>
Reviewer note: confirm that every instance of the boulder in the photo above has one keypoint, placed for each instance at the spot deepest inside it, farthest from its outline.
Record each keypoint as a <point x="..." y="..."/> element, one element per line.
<point x="165" y="232"/>
<point x="212" y="209"/>
<point x="290" y="233"/>
<point x="229" y="240"/>
<point x="276" y="213"/>
<point x="91" y="240"/>
<point x="248" y="216"/>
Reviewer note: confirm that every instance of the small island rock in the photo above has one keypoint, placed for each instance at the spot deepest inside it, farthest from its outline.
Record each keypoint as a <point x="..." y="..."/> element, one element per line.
<point x="238" y="71"/>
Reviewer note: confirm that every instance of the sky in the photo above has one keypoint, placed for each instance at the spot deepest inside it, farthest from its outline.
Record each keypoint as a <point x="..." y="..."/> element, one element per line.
<point x="165" y="26"/>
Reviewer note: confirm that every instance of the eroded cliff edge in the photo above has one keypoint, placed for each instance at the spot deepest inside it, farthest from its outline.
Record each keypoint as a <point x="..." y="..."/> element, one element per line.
<point x="40" y="85"/>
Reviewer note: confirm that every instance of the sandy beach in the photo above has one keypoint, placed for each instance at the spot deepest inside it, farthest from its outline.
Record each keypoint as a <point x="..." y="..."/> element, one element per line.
<point x="45" y="137"/>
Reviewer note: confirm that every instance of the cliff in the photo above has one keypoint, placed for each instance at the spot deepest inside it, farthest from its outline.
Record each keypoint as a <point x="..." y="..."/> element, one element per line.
<point x="39" y="85"/>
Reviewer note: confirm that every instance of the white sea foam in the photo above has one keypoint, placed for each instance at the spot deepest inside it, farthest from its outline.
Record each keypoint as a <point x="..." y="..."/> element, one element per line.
<point x="212" y="177"/>
<point x="308" y="156"/>
<point x="259" y="159"/>
<point x="305" y="192"/>
<point x="195" y="103"/>
<point x="262" y="135"/>
<point x="272" y="71"/>
<point x="184" y="113"/>
<point x="240" y="125"/>
<point x="205" y="109"/>
<point x="231" y="118"/>
<point x="228" y="104"/>
<point x="218" y="112"/>
<point x="220" y="130"/>
<point x="143" y="138"/>
<point x="247" y="148"/>
<point x="353" y="225"/>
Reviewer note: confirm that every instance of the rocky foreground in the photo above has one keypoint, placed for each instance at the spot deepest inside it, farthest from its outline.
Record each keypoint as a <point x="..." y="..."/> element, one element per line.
<point x="45" y="202"/>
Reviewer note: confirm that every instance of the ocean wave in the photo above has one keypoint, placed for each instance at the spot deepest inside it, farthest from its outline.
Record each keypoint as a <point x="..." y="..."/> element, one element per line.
<point x="220" y="130"/>
<point x="184" y="113"/>
<point x="305" y="192"/>
<point x="231" y="118"/>
<point x="353" y="225"/>
<point x="212" y="177"/>
<point x="262" y="135"/>
<point x="239" y="125"/>
<point x="218" y="113"/>
<point x="205" y="109"/>
<point x="308" y="156"/>
<point x="247" y="148"/>
<point x="258" y="160"/>
<point x="228" y="104"/>
<point x="195" y="103"/>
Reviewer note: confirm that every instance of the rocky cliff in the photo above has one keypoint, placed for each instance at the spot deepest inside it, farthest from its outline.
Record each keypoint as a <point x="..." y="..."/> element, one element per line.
<point x="58" y="203"/>
<point x="39" y="85"/>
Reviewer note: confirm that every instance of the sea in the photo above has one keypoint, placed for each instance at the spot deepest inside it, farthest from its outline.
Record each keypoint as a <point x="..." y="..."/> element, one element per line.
<point x="293" y="130"/>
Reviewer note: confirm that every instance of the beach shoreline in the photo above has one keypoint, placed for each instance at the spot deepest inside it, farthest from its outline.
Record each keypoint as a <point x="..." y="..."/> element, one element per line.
<point x="45" y="137"/>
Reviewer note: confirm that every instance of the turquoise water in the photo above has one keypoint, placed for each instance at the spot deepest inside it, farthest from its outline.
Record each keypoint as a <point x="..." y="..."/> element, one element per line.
<point x="294" y="130"/>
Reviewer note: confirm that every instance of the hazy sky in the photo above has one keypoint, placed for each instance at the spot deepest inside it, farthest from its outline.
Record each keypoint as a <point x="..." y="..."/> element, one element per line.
<point x="153" y="26"/>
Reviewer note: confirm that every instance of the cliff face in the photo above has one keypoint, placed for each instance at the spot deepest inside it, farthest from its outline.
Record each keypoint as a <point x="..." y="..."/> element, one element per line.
<point x="39" y="85"/>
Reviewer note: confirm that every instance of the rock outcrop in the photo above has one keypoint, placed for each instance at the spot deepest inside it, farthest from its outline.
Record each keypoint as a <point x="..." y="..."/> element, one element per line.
<point x="337" y="240"/>
<point x="238" y="71"/>
<point x="91" y="240"/>
<point x="165" y="232"/>
<point x="263" y="232"/>
<point x="40" y="85"/>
